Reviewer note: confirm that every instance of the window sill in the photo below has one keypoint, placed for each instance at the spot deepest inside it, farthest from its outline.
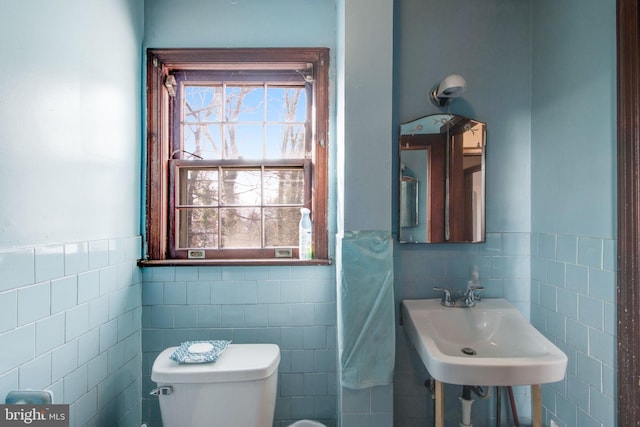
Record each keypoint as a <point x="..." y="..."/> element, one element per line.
<point x="230" y="262"/>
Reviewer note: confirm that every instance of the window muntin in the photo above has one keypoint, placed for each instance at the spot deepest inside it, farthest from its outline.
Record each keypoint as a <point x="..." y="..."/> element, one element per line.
<point x="285" y="102"/>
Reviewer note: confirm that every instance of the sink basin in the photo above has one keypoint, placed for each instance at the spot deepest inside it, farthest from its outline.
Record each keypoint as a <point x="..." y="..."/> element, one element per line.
<point x="490" y="344"/>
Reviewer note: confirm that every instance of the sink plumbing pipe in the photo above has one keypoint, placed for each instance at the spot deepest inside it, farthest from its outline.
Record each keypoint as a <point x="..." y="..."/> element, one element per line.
<point x="466" y="401"/>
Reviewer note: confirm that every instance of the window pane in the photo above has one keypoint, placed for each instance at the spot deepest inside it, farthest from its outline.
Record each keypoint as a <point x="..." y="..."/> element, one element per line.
<point x="198" y="187"/>
<point x="281" y="226"/>
<point x="198" y="228"/>
<point x="245" y="104"/>
<point x="285" y="142"/>
<point x="286" y="104"/>
<point x="241" y="187"/>
<point x="282" y="187"/>
<point x="202" y="104"/>
<point x="202" y="141"/>
<point x="244" y="142"/>
<point x="241" y="228"/>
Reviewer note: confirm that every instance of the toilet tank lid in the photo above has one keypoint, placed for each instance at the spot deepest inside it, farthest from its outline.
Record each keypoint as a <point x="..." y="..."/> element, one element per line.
<point x="239" y="362"/>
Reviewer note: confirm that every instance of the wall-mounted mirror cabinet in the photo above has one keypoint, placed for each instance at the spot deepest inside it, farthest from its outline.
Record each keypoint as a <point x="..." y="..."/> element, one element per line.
<point x="442" y="180"/>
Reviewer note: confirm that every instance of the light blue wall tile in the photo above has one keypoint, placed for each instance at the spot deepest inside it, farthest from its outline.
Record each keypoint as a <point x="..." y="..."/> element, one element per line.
<point x="577" y="391"/>
<point x="577" y="335"/>
<point x="555" y="273"/>
<point x="50" y="333"/>
<point x="75" y="384"/>
<point x="547" y="246"/>
<point x="590" y="252"/>
<point x="108" y="280"/>
<point x="315" y="337"/>
<point x="187" y="274"/>
<point x="175" y="293"/>
<point x="34" y="302"/>
<point x="77" y="321"/>
<point x="64" y="293"/>
<point x="280" y="273"/>
<point x="301" y="407"/>
<point x="516" y="243"/>
<point x="302" y="361"/>
<point x="291" y="384"/>
<point x="209" y="316"/>
<point x="98" y="311"/>
<point x="117" y="251"/>
<point x="197" y="293"/>
<point x="602" y="346"/>
<point x="36" y="374"/>
<point x="324" y="313"/>
<point x="17" y="268"/>
<point x="185" y="317"/>
<point x="162" y="316"/>
<point x="567" y="249"/>
<point x="291" y="291"/>
<point x="8" y="310"/>
<point x="127" y="325"/>
<point x="76" y="258"/>
<point x="222" y="293"/>
<point x="602" y="408"/>
<point x="153" y="293"/>
<point x="256" y="315"/>
<point x="315" y="384"/>
<point x="245" y="336"/>
<point x="589" y="370"/>
<point x="98" y="254"/>
<point x="292" y="338"/>
<point x="86" y="407"/>
<point x="268" y="291"/>
<point x="566" y="410"/>
<point x="88" y="346"/>
<point x="232" y="315"/>
<point x="356" y="401"/>
<point x="64" y="360"/>
<point x="49" y="262"/>
<point x="108" y="335"/>
<point x="88" y="286"/>
<point x="209" y="273"/>
<point x="319" y="291"/>
<point x="602" y="285"/>
<point x="585" y="420"/>
<point x="591" y="312"/>
<point x="245" y="292"/>
<point x="279" y="314"/>
<point x="577" y="278"/>
<point x="303" y="314"/>
<point x="568" y="303"/>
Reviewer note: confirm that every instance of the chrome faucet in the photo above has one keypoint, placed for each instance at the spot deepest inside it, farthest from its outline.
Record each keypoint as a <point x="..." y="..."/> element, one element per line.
<point x="468" y="299"/>
<point x="447" y="301"/>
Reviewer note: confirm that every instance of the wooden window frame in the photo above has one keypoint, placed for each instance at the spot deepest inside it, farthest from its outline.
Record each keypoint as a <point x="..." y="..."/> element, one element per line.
<point x="162" y="62"/>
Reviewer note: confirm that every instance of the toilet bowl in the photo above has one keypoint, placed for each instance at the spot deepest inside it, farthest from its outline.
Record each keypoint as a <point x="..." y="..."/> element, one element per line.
<point x="238" y="390"/>
<point x="307" y="423"/>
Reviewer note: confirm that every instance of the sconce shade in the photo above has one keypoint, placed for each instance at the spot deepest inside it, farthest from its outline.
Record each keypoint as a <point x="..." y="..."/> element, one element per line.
<point x="449" y="88"/>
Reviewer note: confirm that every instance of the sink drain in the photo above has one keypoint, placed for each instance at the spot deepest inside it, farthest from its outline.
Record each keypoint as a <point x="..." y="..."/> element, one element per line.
<point x="469" y="351"/>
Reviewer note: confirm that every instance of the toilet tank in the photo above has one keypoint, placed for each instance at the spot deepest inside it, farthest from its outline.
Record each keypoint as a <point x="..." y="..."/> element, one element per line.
<point x="238" y="390"/>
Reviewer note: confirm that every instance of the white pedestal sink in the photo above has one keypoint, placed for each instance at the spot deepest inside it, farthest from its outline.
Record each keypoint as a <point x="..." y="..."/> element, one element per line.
<point x="490" y="344"/>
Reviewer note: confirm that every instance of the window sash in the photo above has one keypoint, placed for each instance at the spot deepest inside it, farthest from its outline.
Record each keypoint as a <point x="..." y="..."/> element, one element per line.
<point x="179" y="168"/>
<point x="160" y="104"/>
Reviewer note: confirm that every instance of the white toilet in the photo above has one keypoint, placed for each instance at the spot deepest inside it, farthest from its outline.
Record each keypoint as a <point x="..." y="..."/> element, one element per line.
<point x="238" y="390"/>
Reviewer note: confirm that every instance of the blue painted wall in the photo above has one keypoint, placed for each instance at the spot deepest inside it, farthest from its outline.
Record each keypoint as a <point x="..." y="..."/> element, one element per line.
<point x="70" y="313"/>
<point x="489" y="43"/>
<point x="573" y="198"/>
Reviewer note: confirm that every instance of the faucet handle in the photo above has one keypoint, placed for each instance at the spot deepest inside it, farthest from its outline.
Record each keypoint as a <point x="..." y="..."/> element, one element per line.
<point x="471" y="297"/>
<point x="446" y="297"/>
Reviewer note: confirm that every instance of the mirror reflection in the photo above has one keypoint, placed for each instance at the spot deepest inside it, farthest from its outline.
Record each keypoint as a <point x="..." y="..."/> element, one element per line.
<point x="442" y="180"/>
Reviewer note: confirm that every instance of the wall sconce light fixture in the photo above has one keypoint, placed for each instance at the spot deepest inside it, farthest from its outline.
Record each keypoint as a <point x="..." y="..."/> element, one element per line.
<point x="449" y="88"/>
